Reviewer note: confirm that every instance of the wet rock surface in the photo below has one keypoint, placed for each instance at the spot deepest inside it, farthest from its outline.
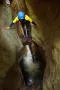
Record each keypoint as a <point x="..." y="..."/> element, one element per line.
<point x="47" y="14"/>
<point x="27" y="73"/>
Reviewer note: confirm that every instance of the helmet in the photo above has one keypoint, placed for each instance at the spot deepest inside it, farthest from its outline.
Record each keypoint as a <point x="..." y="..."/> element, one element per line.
<point x="21" y="15"/>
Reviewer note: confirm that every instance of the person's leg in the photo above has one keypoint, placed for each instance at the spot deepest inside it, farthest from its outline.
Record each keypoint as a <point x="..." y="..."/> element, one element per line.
<point x="29" y="33"/>
<point x="25" y="33"/>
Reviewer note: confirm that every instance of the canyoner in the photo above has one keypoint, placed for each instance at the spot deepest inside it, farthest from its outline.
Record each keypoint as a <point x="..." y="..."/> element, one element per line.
<point x="25" y="22"/>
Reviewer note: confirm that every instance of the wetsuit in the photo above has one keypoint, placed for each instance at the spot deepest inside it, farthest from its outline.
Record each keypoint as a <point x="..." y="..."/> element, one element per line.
<point x="26" y="24"/>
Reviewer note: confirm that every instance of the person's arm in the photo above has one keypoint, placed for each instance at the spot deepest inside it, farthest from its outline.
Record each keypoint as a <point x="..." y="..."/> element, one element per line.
<point x="29" y="19"/>
<point x="14" y="21"/>
<point x="34" y="23"/>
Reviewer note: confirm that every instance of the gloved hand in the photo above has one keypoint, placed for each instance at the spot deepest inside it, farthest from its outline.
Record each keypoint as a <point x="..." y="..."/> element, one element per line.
<point x="7" y="28"/>
<point x="37" y="26"/>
